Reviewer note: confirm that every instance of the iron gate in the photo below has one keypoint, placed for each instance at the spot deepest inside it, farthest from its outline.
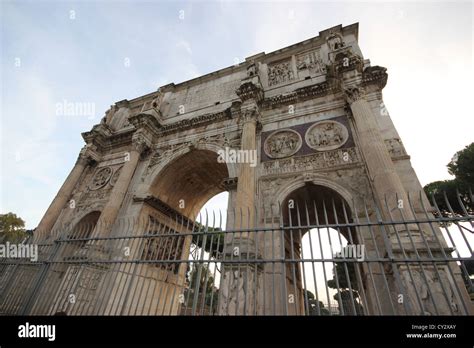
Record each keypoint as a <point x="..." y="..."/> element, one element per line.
<point x="298" y="262"/>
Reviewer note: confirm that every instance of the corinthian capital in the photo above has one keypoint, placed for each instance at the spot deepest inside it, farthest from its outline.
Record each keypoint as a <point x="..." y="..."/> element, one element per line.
<point x="141" y="142"/>
<point x="353" y="93"/>
<point x="250" y="114"/>
<point x="88" y="155"/>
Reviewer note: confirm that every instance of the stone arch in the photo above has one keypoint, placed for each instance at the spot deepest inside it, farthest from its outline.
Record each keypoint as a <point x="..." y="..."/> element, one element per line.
<point x="84" y="226"/>
<point x="301" y="181"/>
<point x="192" y="174"/>
<point x="94" y="208"/>
<point x="150" y="177"/>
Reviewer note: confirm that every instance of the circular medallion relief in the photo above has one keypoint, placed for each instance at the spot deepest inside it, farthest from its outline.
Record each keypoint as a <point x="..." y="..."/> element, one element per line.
<point x="326" y="135"/>
<point x="282" y="143"/>
<point x="101" y="177"/>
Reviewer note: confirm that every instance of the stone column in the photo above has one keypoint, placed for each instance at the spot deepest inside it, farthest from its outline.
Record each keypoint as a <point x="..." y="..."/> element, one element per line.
<point x="240" y="281"/>
<point x="245" y="198"/>
<point x="381" y="170"/>
<point x="86" y="156"/>
<point x="422" y="285"/>
<point x="117" y="196"/>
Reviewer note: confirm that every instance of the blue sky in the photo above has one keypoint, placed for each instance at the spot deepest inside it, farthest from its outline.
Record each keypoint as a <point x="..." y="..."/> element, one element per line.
<point x="50" y="55"/>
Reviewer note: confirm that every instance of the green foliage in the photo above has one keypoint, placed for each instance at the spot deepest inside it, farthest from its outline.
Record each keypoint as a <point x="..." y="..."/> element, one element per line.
<point x="214" y="242"/>
<point x="205" y="284"/>
<point x="342" y="276"/>
<point x="12" y="228"/>
<point x="349" y="304"/>
<point x="343" y="297"/>
<point x="462" y="166"/>
<point x="444" y="192"/>
<point x="313" y="305"/>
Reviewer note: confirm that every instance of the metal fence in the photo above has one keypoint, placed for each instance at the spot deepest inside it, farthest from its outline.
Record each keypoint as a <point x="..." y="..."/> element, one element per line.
<point x="316" y="258"/>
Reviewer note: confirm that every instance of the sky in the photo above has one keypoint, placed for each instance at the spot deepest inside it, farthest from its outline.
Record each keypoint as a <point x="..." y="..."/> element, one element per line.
<point x="95" y="53"/>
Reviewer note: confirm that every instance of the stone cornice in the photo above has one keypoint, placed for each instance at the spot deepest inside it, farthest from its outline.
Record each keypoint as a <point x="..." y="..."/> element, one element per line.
<point x="164" y="208"/>
<point x="251" y="88"/>
<point x="145" y="121"/>
<point x="195" y="122"/>
<point x="98" y="136"/>
<point x="107" y="140"/>
<point x="88" y="155"/>
<point x="375" y="75"/>
<point x="301" y="94"/>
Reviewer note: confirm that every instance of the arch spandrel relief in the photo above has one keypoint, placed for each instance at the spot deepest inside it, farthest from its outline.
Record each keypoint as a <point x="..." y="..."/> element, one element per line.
<point x="326" y="135"/>
<point x="101" y="178"/>
<point x="282" y="143"/>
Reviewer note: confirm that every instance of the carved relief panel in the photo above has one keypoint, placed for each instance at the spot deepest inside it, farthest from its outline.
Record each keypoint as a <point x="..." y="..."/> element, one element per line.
<point x="282" y="143"/>
<point x="280" y="72"/>
<point x="326" y="135"/>
<point x="311" y="62"/>
<point x="308" y="139"/>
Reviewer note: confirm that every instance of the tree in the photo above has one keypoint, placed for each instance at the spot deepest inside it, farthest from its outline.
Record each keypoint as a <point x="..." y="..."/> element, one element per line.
<point x="214" y="238"/>
<point x="313" y="305"/>
<point x="205" y="284"/>
<point x="12" y="228"/>
<point x="448" y="197"/>
<point x="456" y="191"/>
<point x="343" y="296"/>
<point x="462" y="166"/>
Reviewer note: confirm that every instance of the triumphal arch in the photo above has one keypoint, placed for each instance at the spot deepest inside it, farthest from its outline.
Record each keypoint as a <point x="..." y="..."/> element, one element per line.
<point x="324" y="144"/>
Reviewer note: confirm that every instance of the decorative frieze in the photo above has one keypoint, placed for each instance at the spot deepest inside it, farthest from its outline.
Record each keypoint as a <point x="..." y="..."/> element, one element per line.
<point x="195" y="122"/>
<point x="301" y="94"/>
<point x="316" y="161"/>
